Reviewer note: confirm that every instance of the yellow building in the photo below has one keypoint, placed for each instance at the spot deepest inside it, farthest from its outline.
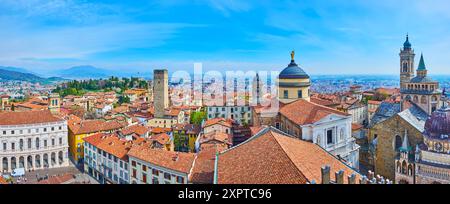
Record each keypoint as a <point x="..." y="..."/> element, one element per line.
<point x="79" y="129"/>
<point x="293" y="83"/>
<point x="187" y="134"/>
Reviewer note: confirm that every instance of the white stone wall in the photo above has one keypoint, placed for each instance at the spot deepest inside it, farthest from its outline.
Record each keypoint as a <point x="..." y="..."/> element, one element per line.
<point x="34" y="146"/>
<point x="343" y="143"/>
<point x="229" y="111"/>
<point x="174" y="175"/>
<point x="105" y="166"/>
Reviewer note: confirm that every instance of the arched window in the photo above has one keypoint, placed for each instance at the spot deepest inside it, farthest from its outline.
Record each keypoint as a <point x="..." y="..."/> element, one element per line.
<point x="434" y="99"/>
<point x="342" y="133"/>
<point x="423" y="99"/>
<point x="404" y="167"/>
<point x="416" y="99"/>
<point x="405" y="66"/>
<point x="398" y="142"/>
<point x="37" y="143"/>
<point x="410" y="170"/>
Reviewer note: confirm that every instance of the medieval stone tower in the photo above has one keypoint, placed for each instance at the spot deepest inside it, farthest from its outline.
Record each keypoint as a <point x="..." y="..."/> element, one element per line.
<point x="160" y="92"/>
<point x="406" y="63"/>
<point x="54" y="104"/>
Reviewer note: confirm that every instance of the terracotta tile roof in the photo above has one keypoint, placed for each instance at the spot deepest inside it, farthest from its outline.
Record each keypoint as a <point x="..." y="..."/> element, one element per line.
<point x="188" y="128"/>
<point x="322" y="102"/>
<point x="303" y="112"/>
<point x="162" y="138"/>
<point x="374" y="102"/>
<point x="78" y="126"/>
<point x="356" y="126"/>
<point x="177" y="161"/>
<point x="3" y="181"/>
<point x="27" y="117"/>
<point x="203" y="170"/>
<point x="221" y="121"/>
<point x="256" y="129"/>
<point x="158" y="130"/>
<point x="113" y="144"/>
<point x="271" y="157"/>
<point x="215" y="136"/>
<point x="138" y="129"/>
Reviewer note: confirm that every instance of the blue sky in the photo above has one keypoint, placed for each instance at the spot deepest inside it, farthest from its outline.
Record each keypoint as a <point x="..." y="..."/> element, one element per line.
<point x="329" y="36"/>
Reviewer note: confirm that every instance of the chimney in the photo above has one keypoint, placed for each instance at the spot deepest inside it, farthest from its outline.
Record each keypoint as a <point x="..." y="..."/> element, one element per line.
<point x="339" y="177"/>
<point x="326" y="174"/>
<point x="352" y="179"/>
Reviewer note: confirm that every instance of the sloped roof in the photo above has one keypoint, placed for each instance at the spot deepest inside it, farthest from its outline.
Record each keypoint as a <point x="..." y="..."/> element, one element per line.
<point x="27" y="117"/>
<point x="272" y="157"/>
<point x="415" y="116"/>
<point x="304" y="112"/>
<point x="385" y="111"/>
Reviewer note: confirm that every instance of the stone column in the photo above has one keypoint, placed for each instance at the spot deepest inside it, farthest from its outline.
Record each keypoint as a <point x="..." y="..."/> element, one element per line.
<point x="25" y="162"/>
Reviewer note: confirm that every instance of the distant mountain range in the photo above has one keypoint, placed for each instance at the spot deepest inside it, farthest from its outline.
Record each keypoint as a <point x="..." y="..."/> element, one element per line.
<point x="91" y="72"/>
<point x="82" y="72"/>
<point x="20" y="74"/>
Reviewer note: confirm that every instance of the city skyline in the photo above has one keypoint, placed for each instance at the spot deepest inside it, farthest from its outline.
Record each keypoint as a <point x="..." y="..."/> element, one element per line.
<point x="335" y="37"/>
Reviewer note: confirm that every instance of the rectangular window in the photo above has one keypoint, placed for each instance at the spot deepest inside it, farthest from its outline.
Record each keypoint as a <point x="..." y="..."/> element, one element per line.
<point x="286" y="94"/>
<point x="167" y="176"/>
<point x="155" y="172"/>
<point x="180" y="179"/>
<point x="155" y="181"/>
<point x="45" y="143"/>
<point x="60" y="140"/>
<point x="4" y="146"/>
<point x="300" y="94"/>
<point x="13" y="146"/>
<point x="53" y="142"/>
<point x="12" y="132"/>
<point x="134" y="173"/>
<point x="133" y="163"/>
<point x="144" y="168"/>
<point x="329" y="136"/>
<point x="144" y="178"/>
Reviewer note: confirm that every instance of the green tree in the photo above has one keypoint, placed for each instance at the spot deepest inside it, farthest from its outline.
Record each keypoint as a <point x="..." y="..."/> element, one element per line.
<point x="198" y="117"/>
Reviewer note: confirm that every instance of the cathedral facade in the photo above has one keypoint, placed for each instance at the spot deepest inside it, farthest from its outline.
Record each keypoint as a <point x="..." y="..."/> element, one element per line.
<point x="397" y="128"/>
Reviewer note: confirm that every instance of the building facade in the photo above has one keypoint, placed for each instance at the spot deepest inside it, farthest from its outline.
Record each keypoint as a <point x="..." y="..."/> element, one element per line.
<point x="240" y="114"/>
<point x="157" y="166"/>
<point x="32" y="140"/>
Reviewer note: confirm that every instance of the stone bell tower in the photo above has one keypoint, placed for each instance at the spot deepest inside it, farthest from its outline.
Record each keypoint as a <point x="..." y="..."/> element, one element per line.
<point x="406" y="63"/>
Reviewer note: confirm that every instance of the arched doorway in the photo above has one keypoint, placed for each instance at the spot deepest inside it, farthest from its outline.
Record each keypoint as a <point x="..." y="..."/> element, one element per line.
<point x="37" y="161"/>
<point x="21" y="162"/>
<point x="5" y="164"/>
<point x="53" y="159"/>
<point x="13" y="163"/>
<point x="30" y="162"/>
<point x="46" y="160"/>
<point x="60" y="157"/>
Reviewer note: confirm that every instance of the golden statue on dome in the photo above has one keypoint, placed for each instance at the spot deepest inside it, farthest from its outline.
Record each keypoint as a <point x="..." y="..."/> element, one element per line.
<point x="292" y="55"/>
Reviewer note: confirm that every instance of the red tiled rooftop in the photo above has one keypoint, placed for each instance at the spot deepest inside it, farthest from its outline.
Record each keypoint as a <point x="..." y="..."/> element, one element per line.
<point x="177" y="161"/>
<point x="304" y="112"/>
<point x="27" y="117"/>
<point x="271" y="157"/>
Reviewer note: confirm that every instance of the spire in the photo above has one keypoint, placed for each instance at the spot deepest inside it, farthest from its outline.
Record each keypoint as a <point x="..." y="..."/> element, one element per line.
<point x="421" y="63"/>
<point x="407" y="44"/>
<point x="405" y="144"/>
